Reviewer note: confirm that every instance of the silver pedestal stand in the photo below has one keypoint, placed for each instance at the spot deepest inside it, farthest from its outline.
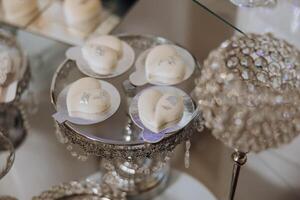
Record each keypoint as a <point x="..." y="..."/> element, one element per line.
<point x="131" y="165"/>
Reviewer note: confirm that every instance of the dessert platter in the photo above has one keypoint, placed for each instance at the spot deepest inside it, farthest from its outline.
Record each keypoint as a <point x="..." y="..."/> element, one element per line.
<point x="149" y="120"/>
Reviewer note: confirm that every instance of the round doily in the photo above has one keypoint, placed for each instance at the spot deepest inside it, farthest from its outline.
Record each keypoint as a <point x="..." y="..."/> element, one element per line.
<point x="249" y="92"/>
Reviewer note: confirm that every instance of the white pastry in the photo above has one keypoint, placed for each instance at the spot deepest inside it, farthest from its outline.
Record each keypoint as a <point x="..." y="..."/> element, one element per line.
<point x="83" y="15"/>
<point x="86" y="99"/>
<point x="157" y="110"/>
<point x="101" y="59"/>
<point x="6" y="66"/>
<point x="19" y="8"/>
<point x="164" y="66"/>
<point x="109" y="41"/>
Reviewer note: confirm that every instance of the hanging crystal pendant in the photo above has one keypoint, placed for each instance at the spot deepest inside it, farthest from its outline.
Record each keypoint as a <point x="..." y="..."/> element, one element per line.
<point x="187" y="154"/>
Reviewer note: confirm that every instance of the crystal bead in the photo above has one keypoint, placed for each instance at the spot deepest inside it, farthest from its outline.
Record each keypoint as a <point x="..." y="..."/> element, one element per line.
<point x="250" y="43"/>
<point x="275" y="56"/>
<point x="284" y="52"/>
<point x="260" y="62"/>
<point x="245" y="74"/>
<point x="288" y="63"/>
<point x="246" y="51"/>
<point x="262" y="77"/>
<point x="242" y="44"/>
<point x="246" y="61"/>
<point x="260" y="52"/>
<point x="232" y="62"/>
<point x="275" y="81"/>
<point x="274" y="68"/>
<point x="232" y="53"/>
<point x="285" y="77"/>
<point x="234" y="44"/>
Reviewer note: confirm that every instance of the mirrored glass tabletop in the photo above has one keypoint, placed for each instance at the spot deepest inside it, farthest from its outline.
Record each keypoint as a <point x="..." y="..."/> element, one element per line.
<point x="280" y="17"/>
<point x="41" y="161"/>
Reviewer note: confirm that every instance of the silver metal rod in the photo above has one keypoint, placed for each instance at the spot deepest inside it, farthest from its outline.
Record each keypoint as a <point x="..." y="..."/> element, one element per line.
<point x="239" y="158"/>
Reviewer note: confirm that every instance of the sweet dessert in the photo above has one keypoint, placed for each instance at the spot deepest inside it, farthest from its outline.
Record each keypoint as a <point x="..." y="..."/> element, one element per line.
<point x="86" y="99"/>
<point x="19" y="8"/>
<point x="110" y="41"/>
<point x="157" y="110"/>
<point x="164" y="66"/>
<point x="102" y="53"/>
<point x="82" y="15"/>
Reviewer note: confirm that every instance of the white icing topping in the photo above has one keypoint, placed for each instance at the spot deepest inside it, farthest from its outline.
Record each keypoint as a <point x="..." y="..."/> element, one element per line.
<point x="157" y="109"/>
<point x="109" y="41"/>
<point x="101" y="59"/>
<point x="86" y="99"/>
<point x="164" y="65"/>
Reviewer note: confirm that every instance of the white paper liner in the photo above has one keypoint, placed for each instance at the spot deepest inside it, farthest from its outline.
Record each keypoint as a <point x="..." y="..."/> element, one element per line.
<point x="139" y="78"/>
<point x="188" y="114"/>
<point x="123" y="64"/>
<point x="9" y="92"/>
<point x="62" y="110"/>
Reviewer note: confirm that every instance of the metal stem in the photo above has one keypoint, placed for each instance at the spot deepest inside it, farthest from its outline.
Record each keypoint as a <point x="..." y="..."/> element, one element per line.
<point x="239" y="158"/>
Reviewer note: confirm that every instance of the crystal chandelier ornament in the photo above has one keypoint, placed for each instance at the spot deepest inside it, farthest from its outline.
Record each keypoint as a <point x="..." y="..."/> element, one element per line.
<point x="249" y="93"/>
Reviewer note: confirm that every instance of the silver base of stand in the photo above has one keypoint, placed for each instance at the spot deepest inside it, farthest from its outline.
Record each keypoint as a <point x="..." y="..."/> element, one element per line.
<point x="140" y="179"/>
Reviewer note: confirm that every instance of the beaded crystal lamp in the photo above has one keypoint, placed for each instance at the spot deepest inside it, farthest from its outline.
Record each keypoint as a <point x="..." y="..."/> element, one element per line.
<point x="249" y="93"/>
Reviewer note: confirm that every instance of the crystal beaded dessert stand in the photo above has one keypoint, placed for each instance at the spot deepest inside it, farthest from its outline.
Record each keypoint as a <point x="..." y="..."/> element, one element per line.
<point x="249" y="95"/>
<point x="140" y="169"/>
<point x="6" y="146"/>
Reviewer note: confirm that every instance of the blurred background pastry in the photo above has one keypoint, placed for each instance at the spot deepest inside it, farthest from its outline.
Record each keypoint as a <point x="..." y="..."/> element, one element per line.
<point x="15" y="9"/>
<point x="82" y="15"/>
